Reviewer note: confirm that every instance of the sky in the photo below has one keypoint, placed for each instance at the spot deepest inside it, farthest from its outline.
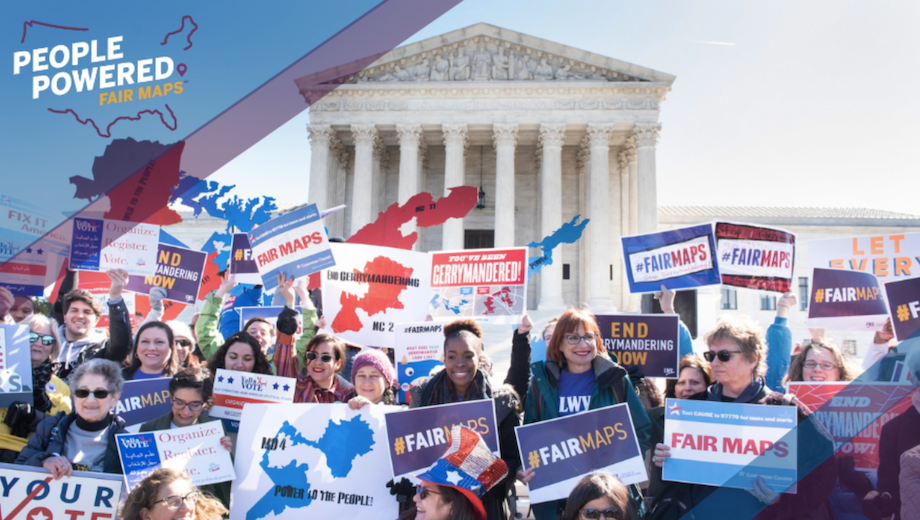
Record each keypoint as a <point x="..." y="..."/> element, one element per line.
<point x="781" y="103"/>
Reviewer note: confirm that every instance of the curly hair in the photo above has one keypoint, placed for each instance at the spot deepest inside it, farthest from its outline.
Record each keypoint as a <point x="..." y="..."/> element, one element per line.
<point x="82" y="295"/>
<point x="465" y="329"/>
<point x="262" y="366"/>
<point x="108" y="370"/>
<point x="198" y="379"/>
<point x="172" y="364"/>
<point x="145" y="495"/>
<point x="845" y="368"/>
<point x="747" y="335"/>
<point x="688" y="361"/>
<point x="599" y="485"/>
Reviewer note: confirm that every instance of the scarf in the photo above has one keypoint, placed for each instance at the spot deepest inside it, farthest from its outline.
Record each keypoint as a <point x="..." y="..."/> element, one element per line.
<point x="443" y="391"/>
<point x="714" y="392"/>
<point x="41" y="375"/>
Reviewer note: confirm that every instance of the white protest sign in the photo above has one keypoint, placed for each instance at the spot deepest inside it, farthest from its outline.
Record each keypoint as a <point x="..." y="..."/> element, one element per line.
<point x="104" y="244"/>
<point x="418" y="351"/>
<point x="233" y="390"/>
<point x="889" y="257"/>
<point x="30" y="493"/>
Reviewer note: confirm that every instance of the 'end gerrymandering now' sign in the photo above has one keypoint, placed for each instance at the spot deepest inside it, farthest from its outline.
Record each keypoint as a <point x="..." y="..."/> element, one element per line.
<point x="904" y="306"/>
<point x="846" y="300"/>
<point x="30" y="493"/>
<point x="561" y="451"/>
<point x="485" y="284"/>
<point x="678" y="259"/>
<point x="755" y="257"/>
<point x="178" y="270"/>
<point x="730" y="445"/>
<point x="647" y="342"/>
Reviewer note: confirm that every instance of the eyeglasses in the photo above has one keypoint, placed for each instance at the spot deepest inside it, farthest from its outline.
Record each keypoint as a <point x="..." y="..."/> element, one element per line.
<point x="325" y="358"/>
<point x="423" y="492"/>
<point x="184" y="343"/>
<point x="47" y="339"/>
<point x="594" y="514"/>
<point x="827" y="367"/>
<point x="724" y="355"/>
<point x="575" y="339"/>
<point x="83" y="393"/>
<point x="193" y="406"/>
<point x="175" y="502"/>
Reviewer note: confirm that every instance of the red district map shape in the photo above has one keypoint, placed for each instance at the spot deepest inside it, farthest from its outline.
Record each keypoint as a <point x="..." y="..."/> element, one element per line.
<point x="379" y="297"/>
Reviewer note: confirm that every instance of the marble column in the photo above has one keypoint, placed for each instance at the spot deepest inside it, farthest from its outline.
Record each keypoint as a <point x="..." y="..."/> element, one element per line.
<point x="625" y="215"/>
<point x="505" y="138"/>
<point x="337" y="188"/>
<point x="632" y="157"/>
<point x="646" y="138"/>
<point x="599" y="228"/>
<point x="320" y="140"/>
<point x="455" y="136"/>
<point x="362" y="193"/>
<point x="583" y="163"/>
<point x="409" y="136"/>
<point x="551" y="138"/>
<point x="380" y="164"/>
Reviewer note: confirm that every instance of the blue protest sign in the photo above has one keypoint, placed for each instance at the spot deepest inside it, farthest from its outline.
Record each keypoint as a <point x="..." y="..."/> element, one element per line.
<point x="678" y="259"/>
<point x="846" y="300"/>
<point x="417" y="437"/>
<point x="15" y="365"/>
<point x="561" y="451"/>
<point x="86" y="244"/>
<point x="142" y="401"/>
<point x="647" y="342"/>
<point x="731" y="445"/>
<point x="139" y="456"/>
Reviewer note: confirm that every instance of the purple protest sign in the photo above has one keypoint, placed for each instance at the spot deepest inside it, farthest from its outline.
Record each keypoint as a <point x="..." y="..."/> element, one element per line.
<point x="242" y="264"/>
<point x="648" y="342"/>
<point x="846" y="300"/>
<point x="561" y="451"/>
<point x="904" y="306"/>
<point x="417" y="437"/>
<point x="178" y="271"/>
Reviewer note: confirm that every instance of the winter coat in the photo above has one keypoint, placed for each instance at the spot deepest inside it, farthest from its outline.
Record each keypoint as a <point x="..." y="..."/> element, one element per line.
<point x="910" y="483"/>
<point x="779" y="353"/>
<point x="899" y="435"/>
<point x="50" y="438"/>
<point x="59" y="395"/>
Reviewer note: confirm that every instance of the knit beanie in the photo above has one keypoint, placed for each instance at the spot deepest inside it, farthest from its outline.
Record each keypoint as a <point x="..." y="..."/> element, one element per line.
<point x="371" y="357"/>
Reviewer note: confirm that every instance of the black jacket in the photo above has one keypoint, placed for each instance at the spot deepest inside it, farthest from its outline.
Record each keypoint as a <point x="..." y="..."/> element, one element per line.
<point x="115" y="348"/>
<point x="51" y="435"/>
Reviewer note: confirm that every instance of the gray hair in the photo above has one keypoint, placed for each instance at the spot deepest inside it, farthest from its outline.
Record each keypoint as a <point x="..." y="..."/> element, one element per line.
<point x="747" y="334"/>
<point x="109" y="370"/>
<point x="37" y="321"/>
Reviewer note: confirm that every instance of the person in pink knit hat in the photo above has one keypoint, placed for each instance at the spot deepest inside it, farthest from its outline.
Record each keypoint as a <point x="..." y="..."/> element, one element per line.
<point x="374" y="378"/>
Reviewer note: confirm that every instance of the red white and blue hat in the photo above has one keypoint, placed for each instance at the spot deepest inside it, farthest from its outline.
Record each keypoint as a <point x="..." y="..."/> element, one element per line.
<point x="467" y="466"/>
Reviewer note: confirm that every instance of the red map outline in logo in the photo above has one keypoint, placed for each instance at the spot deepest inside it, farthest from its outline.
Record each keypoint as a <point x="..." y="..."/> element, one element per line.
<point x="379" y="298"/>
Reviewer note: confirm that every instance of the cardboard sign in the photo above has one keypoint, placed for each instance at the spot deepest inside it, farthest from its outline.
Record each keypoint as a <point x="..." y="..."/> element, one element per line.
<point x="233" y="390"/>
<point x="846" y="300"/>
<point x="243" y="264"/>
<point x="142" y="401"/>
<point x="561" y="451"/>
<point x="854" y="413"/>
<point x="648" y="342"/>
<point x="104" y="244"/>
<point x="15" y="365"/>
<point x="730" y="445"/>
<point x="486" y="284"/>
<point x="178" y="270"/>
<point x="888" y="257"/>
<point x="195" y="450"/>
<point x="418" y="352"/>
<point x="312" y="461"/>
<point x="294" y="244"/>
<point x="678" y="259"/>
<point x="372" y="289"/>
<point x="418" y="437"/>
<point x="30" y="493"/>
<point x="755" y="257"/>
<point x="904" y="306"/>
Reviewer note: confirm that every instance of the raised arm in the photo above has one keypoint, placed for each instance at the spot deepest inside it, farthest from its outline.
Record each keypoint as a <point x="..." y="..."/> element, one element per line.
<point x="119" y="344"/>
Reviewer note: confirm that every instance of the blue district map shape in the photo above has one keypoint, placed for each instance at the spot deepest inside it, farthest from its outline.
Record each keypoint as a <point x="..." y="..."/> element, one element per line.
<point x="569" y="233"/>
<point x="439" y="301"/>
<point x="341" y="443"/>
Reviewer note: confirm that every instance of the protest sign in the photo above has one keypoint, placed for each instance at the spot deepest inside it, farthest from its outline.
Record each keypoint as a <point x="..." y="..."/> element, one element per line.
<point x="104" y="244"/>
<point x="678" y="259"/>
<point x="755" y="257"/>
<point x="418" y="351"/>
<point x="904" y="306"/>
<point x="486" y="284"/>
<point x="647" y="342"/>
<point x="26" y="276"/>
<point x="30" y="247"/>
<point x="30" y="493"/>
<point x="294" y="244"/>
<point x="234" y="389"/>
<point x="298" y="461"/>
<point x="270" y="313"/>
<point x="889" y="257"/>
<point x="561" y="451"/>
<point x="846" y="300"/>
<point x="243" y="264"/>
<point x="143" y="400"/>
<point x="418" y="437"/>
<point x="195" y="450"/>
<point x="15" y="365"/>
<point x="178" y="270"/>
<point x="372" y="289"/>
<point x="730" y="445"/>
<point x="854" y="413"/>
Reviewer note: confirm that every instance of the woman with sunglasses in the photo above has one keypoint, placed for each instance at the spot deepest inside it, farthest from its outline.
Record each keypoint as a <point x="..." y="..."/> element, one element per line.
<point x="241" y="352"/>
<point x="166" y="494"/>
<point x="600" y="496"/>
<point x="578" y="376"/>
<point x="84" y="439"/>
<point x="737" y="355"/>
<point x="154" y="354"/>
<point x="186" y="349"/>
<point x="50" y="395"/>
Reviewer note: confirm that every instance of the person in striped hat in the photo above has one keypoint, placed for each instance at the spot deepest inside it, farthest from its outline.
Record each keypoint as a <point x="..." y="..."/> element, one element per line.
<point x="453" y="487"/>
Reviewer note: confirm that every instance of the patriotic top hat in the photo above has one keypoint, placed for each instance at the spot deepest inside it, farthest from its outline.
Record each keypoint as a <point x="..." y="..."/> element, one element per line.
<point x="467" y="466"/>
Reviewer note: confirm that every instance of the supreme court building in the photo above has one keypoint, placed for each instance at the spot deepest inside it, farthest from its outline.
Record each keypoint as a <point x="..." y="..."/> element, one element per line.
<point x="546" y="131"/>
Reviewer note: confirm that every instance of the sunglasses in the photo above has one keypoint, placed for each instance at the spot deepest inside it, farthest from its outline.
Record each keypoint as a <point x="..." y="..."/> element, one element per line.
<point x="47" y="339"/>
<point x="83" y="393"/>
<point x="594" y="514"/>
<point x="184" y="343"/>
<point x="723" y="355"/>
<point x="175" y="501"/>
<point x="324" y="358"/>
<point x="423" y="492"/>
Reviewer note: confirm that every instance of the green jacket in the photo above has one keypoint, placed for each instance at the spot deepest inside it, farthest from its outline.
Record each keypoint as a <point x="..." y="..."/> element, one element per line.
<point x="210" y="338"/>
